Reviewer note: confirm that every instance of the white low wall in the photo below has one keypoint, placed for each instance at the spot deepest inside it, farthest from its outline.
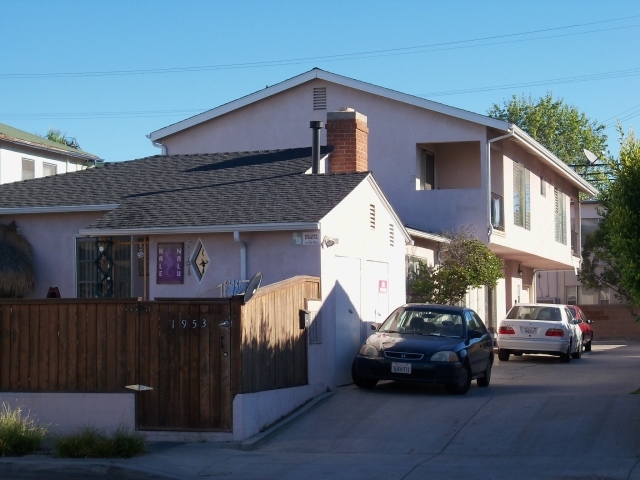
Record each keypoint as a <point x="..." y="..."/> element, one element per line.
<point x="252" y="412"/>
<point x="65" y="412"/>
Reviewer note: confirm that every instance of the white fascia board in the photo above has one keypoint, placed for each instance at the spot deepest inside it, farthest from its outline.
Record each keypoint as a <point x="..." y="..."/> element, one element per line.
<point x="555" y="162"/>
<point x="83" y="156"/>
<point x="59" y="209"/>
<point x="259" y="227"/>
<point x="334" y="78"/>
<point x="428" y="236"/>
<point x="392" y="212"/>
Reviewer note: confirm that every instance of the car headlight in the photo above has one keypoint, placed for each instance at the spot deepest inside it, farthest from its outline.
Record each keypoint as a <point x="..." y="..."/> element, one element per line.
<point x="369" y="351"/>
<point x="445" y="356"/>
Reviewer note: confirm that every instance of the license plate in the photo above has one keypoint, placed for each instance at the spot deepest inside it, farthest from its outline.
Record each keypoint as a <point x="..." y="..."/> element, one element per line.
<point x="400" y="367"/>
<point x="529" y="330"/>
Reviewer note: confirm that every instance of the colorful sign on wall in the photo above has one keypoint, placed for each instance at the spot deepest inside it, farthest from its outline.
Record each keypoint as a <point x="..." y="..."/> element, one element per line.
<point x="170" y="263"/>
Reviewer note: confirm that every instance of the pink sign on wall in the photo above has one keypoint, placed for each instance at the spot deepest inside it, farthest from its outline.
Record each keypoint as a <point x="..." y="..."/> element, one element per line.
<point x="382" y="286"/>
<point x="170" y="263"/>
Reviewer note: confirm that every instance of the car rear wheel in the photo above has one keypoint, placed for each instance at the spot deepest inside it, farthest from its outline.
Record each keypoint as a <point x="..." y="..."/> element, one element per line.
<point x="578" y="353"/>
<point x="484" y="381"/>
<point x="503" y="355"/>
<point x="587" y="347"/>
<point x="464" y="382"/>
<point x="361" y="382"/>
<point x="566" y="357"/>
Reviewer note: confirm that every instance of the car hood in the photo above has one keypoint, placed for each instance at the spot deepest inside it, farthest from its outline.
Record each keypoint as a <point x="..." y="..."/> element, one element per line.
<point x="395" y="342"/>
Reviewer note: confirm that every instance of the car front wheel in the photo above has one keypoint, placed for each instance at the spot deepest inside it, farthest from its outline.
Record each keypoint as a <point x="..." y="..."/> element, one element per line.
<point x="587" y="347"/>
<point x="464" y="382"/>
<point x="361" y="382"/>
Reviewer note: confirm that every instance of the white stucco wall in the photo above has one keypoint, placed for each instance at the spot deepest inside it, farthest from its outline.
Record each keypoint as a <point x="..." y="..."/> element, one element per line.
<point x="65" y="412"/>
<point x="11" y="156"/>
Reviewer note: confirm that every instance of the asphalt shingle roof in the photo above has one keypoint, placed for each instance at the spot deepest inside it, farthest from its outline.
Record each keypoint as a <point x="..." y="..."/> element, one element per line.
<point x="193" y="190"/>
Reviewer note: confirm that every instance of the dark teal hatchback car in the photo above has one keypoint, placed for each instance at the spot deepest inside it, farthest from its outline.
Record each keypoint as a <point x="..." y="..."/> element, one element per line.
<point x="428" y="344"/>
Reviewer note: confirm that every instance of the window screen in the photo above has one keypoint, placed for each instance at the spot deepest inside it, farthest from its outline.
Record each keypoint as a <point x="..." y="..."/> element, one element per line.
<point x="49" y="169"/>
<point x="28" y="169"/>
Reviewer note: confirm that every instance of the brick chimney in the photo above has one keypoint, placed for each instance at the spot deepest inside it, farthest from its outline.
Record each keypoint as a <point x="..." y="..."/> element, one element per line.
<point x="348" y="133"/>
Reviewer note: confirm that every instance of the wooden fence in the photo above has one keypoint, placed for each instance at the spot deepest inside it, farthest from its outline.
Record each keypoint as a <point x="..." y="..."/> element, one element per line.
<point x="181" y="348"/>
<point x="273" y="351"/>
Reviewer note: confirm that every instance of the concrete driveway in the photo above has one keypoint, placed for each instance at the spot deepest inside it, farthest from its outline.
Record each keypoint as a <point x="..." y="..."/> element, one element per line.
<point x="539" y="419"/>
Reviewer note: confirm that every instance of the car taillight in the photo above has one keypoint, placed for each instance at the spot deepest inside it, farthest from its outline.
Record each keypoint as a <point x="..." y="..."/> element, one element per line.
<point x="506" y="331"/>
<point x="555" y="332"/>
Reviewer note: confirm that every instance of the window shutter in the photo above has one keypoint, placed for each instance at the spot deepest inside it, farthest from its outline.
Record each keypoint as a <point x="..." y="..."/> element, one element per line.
<point x="563" y="205"/>
<point x="517" y="206"/>
<point x="527" y="199"/>
<point x="556" y="212"/>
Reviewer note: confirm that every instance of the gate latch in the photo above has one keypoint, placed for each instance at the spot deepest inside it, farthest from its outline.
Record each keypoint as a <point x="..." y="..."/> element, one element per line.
<point x="138" y="388"/>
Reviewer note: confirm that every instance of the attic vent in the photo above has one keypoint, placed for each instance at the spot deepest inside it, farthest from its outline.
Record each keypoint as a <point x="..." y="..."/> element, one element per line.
<point x="392" y="240"/>
<point x="372" y="217"/>
<point x="320" y="98"/>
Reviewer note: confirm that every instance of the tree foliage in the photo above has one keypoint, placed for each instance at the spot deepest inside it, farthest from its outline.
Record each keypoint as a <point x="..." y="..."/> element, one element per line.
<point x="466" y="263"/>
<point x="561" y="128"/>
<point x="612" y="253"/>
<point x="60" y="137"/>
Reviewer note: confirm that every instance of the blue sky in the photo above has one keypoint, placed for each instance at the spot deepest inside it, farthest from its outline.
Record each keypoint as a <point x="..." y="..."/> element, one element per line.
<point x="111" y="114"/>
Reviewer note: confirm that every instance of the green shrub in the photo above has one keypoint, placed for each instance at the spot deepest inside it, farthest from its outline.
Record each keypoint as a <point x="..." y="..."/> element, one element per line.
<point x="91" y="442"/>
<point x="19" y="434"/>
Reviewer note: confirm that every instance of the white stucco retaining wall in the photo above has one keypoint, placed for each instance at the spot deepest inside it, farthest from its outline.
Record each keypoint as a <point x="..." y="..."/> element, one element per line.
<point x="65" y="412"/>
<point x="252" y="412"/>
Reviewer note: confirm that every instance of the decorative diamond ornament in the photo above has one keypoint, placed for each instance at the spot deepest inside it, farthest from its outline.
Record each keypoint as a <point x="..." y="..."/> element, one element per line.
<point x="199" y="260"/>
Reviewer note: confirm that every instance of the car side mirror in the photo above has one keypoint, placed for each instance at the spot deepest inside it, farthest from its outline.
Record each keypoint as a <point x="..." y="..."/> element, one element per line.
<point x="375" y="326"/>
<point x="475" y="334"/>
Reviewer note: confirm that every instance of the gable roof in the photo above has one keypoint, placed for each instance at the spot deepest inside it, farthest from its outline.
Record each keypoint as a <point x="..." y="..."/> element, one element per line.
<point x="15" y="135"/>
<point x="265" y="190"/>
<point x="317" y="73"/>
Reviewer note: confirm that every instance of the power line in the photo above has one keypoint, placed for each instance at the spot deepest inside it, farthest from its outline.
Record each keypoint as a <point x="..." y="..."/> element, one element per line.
<point x="556" y="81"/>
<point x="457" y="44"/>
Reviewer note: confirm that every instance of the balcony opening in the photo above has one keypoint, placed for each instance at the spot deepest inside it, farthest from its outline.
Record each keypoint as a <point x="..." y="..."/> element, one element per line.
<point x="448" y="166"/>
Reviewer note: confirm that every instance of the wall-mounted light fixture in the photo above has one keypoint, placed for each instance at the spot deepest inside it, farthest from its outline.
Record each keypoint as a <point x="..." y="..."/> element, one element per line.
<point x="329" y="241"/>
<point x="519" y="269"/>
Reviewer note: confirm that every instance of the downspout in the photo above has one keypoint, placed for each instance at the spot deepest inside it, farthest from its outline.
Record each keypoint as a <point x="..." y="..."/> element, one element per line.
<point x="243" y="255"/>
<point x="160" y="146"/>
<point x="489" y="142"/>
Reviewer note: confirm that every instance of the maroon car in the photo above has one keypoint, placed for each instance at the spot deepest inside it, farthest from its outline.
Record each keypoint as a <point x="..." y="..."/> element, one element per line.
<point x="585" y="326"/>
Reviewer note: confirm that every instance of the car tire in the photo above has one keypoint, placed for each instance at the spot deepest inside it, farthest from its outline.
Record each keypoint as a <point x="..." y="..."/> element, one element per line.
<point x="587" y="347"/>
<point x="578" y="353"/>
<point x="464" y="381"/>
<point x="484" y="381"/>
<point x="503" y="355"/>
<point x="566" y="357"/>
<point x="366" y="383"/>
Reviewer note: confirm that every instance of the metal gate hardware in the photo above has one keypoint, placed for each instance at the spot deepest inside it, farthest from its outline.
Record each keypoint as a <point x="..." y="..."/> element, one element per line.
<point x="138" y="388"/>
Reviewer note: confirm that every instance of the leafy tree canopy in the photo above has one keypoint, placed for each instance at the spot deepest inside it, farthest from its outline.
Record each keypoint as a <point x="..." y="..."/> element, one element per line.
<point x="562" y="128"/>
<point x="612" y="253"/>
<point x="59" y="137"/>
<point x="466" y="263"/>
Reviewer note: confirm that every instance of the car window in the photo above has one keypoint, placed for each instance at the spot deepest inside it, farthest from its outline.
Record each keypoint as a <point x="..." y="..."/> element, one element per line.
<point x="570" y="316"/>
<point x="423" y="321"/>
<point x="483" y="329"/>
<point x="535" y="312"/>
<point x="575" y="311"/>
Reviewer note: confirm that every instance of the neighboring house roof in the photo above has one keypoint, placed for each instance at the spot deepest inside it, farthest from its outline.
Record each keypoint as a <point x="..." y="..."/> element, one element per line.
<point x="316" y="73"/>
<point x="414" y="232"/>
<point x="15" y="135"/>
<point x="265" y="190"/>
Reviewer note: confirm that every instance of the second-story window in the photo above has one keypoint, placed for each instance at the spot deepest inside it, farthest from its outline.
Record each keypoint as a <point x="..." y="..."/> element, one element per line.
<point x="543" y="187"/>
<point x="427" y="171"/>
<point x="28" y="169"/>
<point x="49" y="169"/>
<point x="521" y="196"/>
<point x="560" y="207"/>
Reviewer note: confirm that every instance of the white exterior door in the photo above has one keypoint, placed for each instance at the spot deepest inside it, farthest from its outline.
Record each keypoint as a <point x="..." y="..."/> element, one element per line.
<point x="376" y="305"/>
<point x="348" y="322"/>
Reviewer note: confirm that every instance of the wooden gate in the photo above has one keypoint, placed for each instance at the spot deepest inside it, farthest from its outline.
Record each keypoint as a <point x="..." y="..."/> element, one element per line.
<point x="185" y="357"/>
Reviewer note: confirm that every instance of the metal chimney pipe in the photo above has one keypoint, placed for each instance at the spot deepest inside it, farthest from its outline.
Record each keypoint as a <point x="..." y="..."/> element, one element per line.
<point x="317" y="126"/>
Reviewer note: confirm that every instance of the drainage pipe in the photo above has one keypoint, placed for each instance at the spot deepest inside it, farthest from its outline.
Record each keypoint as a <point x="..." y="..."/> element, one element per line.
<point x="243" y="255"/>
<point x="489" y="142"/>
<point x="160" y="146"/>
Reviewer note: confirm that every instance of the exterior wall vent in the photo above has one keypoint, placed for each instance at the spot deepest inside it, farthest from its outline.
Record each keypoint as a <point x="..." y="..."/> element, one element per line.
<point x="372" y="217"/>
<point x="392" y="240"/>
<point x="320" y="98"/>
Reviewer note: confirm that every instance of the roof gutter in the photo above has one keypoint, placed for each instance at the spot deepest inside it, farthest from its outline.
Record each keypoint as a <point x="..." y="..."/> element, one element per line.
<point x="254" y="227"/>
<point x="489" y="142"/>
<point x="87" y="157"/>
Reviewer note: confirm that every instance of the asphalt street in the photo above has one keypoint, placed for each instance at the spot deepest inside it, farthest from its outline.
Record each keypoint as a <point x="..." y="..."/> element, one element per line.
<point x="539" y="418"/>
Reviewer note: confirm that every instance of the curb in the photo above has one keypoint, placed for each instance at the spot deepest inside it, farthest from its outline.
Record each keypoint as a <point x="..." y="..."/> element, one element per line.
<point x="253" y="442"/>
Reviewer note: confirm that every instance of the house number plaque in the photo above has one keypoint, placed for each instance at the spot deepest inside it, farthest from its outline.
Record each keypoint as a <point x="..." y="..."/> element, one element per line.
<point x="184" y="323"/>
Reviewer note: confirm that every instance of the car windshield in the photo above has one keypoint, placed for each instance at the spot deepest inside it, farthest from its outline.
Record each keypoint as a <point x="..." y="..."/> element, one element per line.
<point x="413" y="321"/>
<point x="523" y="312"/>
